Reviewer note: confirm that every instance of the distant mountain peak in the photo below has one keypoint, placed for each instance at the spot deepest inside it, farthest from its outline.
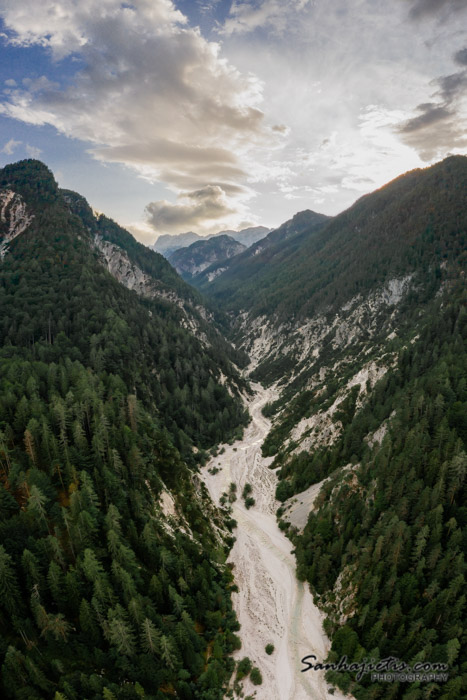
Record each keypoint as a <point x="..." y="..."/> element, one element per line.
<point x="198" y="256"/>
<point x="168" y="243"/>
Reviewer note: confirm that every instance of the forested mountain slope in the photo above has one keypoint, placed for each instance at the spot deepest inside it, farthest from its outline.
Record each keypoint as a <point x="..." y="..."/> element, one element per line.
<point x="366" y="335"/>
<point x="150" y="275"/>
<point x="409" y="224"/>
<point x="232" y="281"/>
<point x="343" y="302"/>
<point x="111" y="573"/>
<point x="384" y="547"/>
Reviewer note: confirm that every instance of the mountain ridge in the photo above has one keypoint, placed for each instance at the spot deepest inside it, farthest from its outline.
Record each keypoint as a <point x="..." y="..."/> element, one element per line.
<point x="167" y="243"/>
<point x="195" y="258"/>
<point x="249" y="263"/>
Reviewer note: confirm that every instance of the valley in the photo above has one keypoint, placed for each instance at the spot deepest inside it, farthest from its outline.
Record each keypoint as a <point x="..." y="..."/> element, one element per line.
<point x="186" y="471"/>
<point x="272" y="606"/>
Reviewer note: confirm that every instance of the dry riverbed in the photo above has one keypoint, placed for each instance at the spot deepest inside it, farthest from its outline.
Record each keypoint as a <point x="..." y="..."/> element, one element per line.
<point x="272" y="606"/>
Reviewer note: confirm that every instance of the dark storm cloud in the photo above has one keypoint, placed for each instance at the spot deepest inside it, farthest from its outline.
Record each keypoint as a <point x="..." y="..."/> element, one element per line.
<point x="436" y="130"/>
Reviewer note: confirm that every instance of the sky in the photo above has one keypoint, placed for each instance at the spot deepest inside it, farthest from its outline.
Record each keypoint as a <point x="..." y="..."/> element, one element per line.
<point x="205" y="115"/>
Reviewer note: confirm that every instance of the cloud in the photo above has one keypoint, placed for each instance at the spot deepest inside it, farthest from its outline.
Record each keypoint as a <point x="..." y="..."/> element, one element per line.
<point x="10" y="147"/>
<point x="439" y="126"/>
<point x="200" y="207"/>
<point x="452" y="86"/>
<point x="425" y="8"/>
<point x="430" y="113"/>
<point x="183" y="166"/>
<point x="65" y="28"/>
<point x="274" y="15"/>
<point x="150" y="93"/>
<point x="460" y="57"/>
<point x="329" y="113"/>
<point x="33" y="151"/>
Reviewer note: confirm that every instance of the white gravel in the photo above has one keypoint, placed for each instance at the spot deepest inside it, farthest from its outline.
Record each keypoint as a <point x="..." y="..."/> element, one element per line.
<point x="272" y="605"/>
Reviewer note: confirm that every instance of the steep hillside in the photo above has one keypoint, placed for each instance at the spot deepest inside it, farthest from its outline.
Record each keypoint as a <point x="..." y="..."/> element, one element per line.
<point x="258" y="267"/>
<point x="350" y="290"/>
<point x="198" y="256"/>
<point x="156" y="308"/>
<point x="384" y="545"/>
<point x="365" y="335"/>
<point x="112" y="557"/>
<point x="150" y="275"/>
<point x="374" y="297"/>
<point x="407" y="224"/>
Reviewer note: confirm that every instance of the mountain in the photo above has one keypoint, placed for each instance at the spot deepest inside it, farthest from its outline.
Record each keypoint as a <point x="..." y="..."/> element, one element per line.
<point x="248" y="236"/>
<point x="263" y="260"/>
<point x="167" y="244"/>
<point x="397" y="241"/>
<point x="383" y="546"/>
<point x="195" y="258"/>
<point x="362" y="327"/>
<point x="114" y="380"/>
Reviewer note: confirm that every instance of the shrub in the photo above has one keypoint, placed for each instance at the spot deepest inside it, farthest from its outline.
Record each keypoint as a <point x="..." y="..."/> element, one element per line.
<point x="247" y="489"/>
<point x="255" y="676"/>
<point x="244" y="667"/>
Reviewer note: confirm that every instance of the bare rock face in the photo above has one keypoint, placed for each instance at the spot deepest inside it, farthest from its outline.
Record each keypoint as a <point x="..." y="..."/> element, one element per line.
<point x="118" y="264"/>
<point x="14" y="218"/>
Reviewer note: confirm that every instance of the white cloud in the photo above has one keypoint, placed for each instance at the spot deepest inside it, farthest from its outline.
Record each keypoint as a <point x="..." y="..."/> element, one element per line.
<point x="33" y="151"/>
<point x="10" y="147"/>
<point x="274" y="15"/>
<point x="343" y="79"/>
<point x="344" y="96"/>
<point x="153" y="94"/>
